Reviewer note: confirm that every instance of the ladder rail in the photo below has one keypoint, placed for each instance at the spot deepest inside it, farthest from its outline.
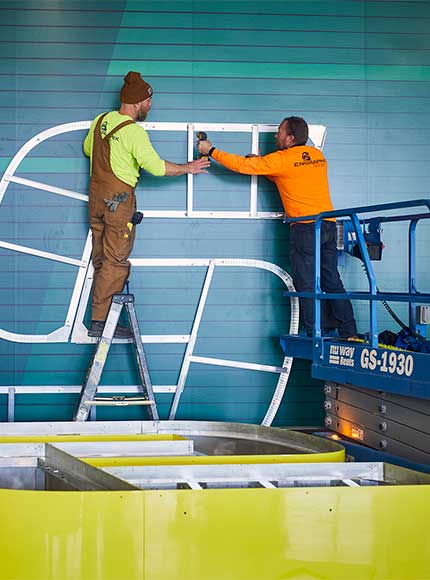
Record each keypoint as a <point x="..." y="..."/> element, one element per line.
<point x="141" y="359"/>
<point x="97" y="364"/>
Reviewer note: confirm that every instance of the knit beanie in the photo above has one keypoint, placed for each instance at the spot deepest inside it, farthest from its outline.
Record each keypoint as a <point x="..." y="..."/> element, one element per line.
<point x="134" y="89"/>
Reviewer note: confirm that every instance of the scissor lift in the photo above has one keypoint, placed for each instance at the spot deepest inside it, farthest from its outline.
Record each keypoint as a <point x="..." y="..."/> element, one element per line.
<point x="376" y="394"/>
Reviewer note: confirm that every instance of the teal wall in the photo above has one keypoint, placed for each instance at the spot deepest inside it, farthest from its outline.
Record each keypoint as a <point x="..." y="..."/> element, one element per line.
<point x="360" y="68"/>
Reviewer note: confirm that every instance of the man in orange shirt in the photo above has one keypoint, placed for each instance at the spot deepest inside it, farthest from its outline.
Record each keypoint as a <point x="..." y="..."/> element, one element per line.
<point x="300" y="174"/>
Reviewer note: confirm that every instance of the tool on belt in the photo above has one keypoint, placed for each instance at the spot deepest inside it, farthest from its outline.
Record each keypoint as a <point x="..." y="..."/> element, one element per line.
<point x="136" y="218"/>
<point x="117" y="199"/>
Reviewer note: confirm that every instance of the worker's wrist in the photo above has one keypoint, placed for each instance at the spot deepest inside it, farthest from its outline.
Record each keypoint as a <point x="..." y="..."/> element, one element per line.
<point x="211" y="150"/>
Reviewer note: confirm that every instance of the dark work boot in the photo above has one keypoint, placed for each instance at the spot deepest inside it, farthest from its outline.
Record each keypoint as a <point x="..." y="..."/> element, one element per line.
<point x="97" y="326"/>
<point x="122" y="332"/>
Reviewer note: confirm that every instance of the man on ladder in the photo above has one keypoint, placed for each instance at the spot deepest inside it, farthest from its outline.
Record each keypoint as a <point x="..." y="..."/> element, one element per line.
<point x="118" y="149"/>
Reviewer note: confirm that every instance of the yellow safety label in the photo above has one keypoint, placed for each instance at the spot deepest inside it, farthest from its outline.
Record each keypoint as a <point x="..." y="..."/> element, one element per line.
<point x="102" y="351"/>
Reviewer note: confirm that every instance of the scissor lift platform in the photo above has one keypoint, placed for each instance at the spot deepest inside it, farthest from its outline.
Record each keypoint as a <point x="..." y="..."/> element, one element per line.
<point x="358" y="363"/>
<point x="366" y="363"/>
<point x="376" y="369"/>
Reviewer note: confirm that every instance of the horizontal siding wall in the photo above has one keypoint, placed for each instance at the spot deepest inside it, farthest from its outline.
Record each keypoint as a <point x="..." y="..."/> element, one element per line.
<point x="360" y="68"/>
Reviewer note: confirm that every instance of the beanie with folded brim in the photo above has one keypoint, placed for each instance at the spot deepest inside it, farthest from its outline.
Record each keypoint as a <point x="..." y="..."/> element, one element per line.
<point x="134" y="89"/>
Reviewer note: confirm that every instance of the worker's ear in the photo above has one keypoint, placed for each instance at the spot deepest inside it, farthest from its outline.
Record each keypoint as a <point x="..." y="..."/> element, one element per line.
<point x="290" y="140"/>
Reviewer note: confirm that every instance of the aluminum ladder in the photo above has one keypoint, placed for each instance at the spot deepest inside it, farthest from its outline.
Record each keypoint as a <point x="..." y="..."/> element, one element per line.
<point x="88" y="394"/>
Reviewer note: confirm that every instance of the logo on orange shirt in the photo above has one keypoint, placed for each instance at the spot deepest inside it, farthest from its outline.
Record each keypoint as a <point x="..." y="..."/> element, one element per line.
<point x="308" y="161"/>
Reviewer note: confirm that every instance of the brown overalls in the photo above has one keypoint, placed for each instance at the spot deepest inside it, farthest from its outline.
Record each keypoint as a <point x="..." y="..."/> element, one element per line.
<point x="112" y="238"/>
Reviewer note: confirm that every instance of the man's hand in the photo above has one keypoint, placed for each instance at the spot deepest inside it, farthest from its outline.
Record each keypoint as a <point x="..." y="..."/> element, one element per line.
<point x="198" y="166"/>
<point x="204" y="147"/>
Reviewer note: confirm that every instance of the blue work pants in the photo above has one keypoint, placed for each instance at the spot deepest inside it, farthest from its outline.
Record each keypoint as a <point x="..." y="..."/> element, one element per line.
<point x="334" y="313"/>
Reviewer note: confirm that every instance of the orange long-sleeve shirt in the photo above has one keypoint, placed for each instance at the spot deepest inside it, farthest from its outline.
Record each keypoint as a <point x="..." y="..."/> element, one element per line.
<point x="300" y="174"/>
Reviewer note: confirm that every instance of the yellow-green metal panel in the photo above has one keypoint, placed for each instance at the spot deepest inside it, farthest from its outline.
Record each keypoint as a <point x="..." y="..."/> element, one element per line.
<point x="329" y="457"/>
<point x="85" y="438"/>
<point x="71" y="536"/>
<point x="377" y="533"/>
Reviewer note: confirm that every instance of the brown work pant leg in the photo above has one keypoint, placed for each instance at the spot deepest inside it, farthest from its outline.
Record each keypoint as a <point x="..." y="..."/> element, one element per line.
<point x="112" y="245"/>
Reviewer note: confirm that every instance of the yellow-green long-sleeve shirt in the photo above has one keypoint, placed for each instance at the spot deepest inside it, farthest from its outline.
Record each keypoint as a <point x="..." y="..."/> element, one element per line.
<point x="300" y="174"/>
<point x="130" y="149"/>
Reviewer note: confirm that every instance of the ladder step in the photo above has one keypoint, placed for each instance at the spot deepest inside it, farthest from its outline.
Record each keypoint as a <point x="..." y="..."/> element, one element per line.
<point x="120" y="401"/>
